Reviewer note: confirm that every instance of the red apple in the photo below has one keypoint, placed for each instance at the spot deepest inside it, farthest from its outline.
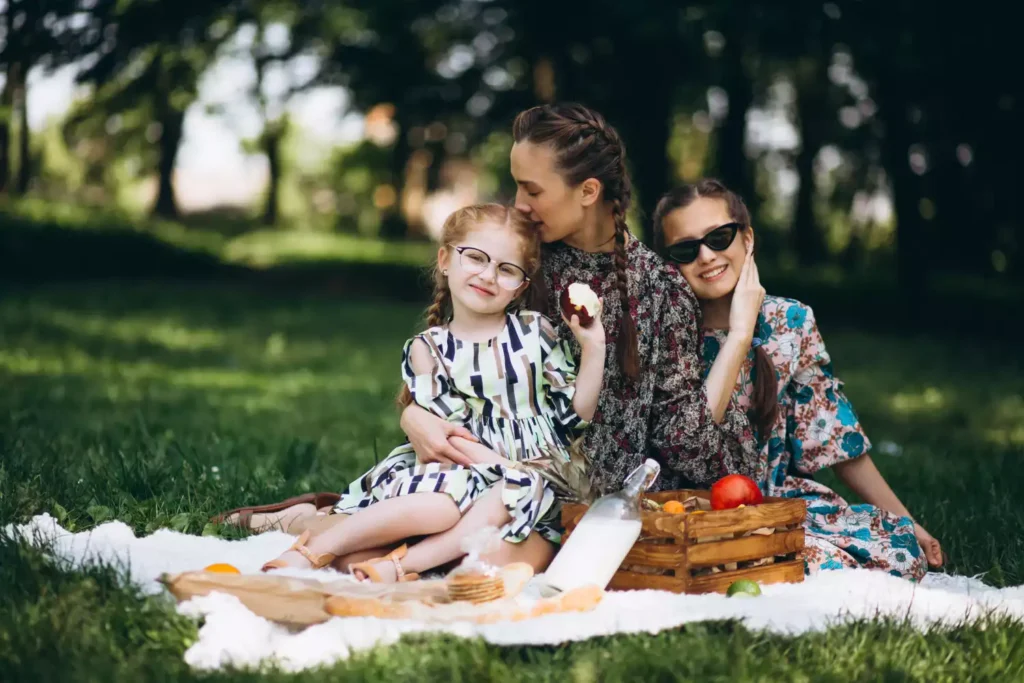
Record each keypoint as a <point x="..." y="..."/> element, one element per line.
<point x="580" y="300"/>
<point x="734" y="490"/>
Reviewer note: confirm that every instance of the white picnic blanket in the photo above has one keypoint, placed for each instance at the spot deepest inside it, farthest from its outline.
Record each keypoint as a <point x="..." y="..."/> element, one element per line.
<point x="232" y="635"/>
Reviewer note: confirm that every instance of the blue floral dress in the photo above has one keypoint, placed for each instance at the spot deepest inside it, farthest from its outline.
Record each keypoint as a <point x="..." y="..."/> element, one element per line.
<point x="818" y="428"/>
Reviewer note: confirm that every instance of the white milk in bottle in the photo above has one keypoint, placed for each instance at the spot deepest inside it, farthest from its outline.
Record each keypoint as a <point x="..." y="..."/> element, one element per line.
<point x="603" y="537"/>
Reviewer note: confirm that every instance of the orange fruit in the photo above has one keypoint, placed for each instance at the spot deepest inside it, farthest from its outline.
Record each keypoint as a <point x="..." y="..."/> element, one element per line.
<point x="674" y="507"/>
<point x="222" y="568"/>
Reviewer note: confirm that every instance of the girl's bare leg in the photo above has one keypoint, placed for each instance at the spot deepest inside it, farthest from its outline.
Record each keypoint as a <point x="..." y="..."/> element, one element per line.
<point x="323" y="521"/>
<point x="488" y="510"/>
<point x="382" y="523"/>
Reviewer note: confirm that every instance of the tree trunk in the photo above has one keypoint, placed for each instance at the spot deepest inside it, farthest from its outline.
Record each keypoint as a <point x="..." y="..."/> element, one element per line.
<point x="733" y="167"/>
<point x="544" y="80"/>
<point x="25" y="135"/>
<point x="812" y="112"/>
<point x="646" y="130"/>
<point x="911" y="244"/>
<point x="393" y="225"/>
<point x="6" y="116"/>
<point x="6" y="113"/>
<point x="272" y="148"/>
<point x="170" y="140"/>
<point x="438" y="157"/>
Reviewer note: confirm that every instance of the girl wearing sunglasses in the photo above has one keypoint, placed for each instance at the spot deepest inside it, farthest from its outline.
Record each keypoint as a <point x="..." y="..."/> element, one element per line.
<point x="765" y="354"/>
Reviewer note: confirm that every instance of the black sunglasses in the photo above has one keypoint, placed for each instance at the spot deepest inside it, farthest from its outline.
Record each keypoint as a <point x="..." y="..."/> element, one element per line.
<point x="718" y="239"/>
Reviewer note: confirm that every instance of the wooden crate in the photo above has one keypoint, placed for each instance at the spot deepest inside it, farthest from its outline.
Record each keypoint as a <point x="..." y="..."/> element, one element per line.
<point x="706" y="552"/>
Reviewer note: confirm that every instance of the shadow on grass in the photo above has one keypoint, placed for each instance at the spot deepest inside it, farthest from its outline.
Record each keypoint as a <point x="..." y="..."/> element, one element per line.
<point x="40" y="244"/>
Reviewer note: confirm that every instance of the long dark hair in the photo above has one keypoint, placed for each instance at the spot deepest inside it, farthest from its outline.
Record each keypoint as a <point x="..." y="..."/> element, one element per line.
<point x="587" y="146"/>
<point x="764" y="405"/>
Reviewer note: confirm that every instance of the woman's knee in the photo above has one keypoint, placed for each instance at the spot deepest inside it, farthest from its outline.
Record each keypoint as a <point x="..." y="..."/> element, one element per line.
<point x="317" y="524"/>
<point x="297" y="518"/>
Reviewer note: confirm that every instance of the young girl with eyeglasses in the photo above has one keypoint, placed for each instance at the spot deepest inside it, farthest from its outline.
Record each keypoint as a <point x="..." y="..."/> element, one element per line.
<point x="491" y="366"/>
<point x="804" y="422"/>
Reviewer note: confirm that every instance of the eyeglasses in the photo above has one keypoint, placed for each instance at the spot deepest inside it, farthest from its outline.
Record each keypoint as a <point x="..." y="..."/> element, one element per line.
<point x="475" y="261"/>
<point x="718" y="239"/>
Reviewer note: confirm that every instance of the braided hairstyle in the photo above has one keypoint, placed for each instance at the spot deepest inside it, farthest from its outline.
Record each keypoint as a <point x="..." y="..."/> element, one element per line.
<point x="457" y="226"/>
<point x="587" y="146"/>
<point x="764" y="405"/>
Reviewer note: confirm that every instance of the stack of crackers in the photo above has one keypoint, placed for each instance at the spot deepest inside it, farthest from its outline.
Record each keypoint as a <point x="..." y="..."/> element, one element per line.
<point x="475" y="587"/>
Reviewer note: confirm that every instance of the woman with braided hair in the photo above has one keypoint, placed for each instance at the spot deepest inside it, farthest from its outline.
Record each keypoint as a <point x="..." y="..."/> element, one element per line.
<point x="570" y="168"/>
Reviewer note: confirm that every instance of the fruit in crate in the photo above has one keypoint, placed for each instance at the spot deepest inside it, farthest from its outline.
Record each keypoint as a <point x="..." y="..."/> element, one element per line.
<point x="673" y="507"/>
<point x="744" y="588"/>
<point x="580" y="300"/>
<point x="734" y="490"/>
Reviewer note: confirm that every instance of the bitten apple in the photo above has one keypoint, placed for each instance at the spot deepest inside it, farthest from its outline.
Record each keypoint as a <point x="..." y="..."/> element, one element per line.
<point x="734" y="490"/>
<point x="580" y="300"/>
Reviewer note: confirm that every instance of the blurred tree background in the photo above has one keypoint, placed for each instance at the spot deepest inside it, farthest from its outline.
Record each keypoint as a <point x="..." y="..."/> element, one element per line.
<point x="875" y="142"/>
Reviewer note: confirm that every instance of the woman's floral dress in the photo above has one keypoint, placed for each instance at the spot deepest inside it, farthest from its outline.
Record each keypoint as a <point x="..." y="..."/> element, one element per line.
<point x="818" y="428"/>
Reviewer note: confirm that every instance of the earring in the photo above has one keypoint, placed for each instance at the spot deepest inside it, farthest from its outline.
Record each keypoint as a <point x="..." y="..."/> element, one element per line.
<point x="445" y="272"/>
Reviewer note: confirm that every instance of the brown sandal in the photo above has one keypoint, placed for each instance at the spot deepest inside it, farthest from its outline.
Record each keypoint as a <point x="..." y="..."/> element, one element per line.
<point x="395" y="557"/>
<point x="319" y="500"/>
<point x="316" y="561"/>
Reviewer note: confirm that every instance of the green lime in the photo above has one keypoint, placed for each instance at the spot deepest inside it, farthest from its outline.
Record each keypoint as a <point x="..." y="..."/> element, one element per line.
<point x="744" y="588"/>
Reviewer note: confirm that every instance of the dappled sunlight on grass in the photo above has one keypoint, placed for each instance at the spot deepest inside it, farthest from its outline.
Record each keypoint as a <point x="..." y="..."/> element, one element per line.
<point x="274" y="247"/>
<point x="153" y="329"/>
<point x="917" y="390"/>
<point x="911" y="403"/>
<point x="252" y="244"/>
<point x="1006" y="422"/>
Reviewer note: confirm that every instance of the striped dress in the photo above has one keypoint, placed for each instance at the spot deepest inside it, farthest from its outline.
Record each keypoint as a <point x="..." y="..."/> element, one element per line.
<point x="513" y="392"/>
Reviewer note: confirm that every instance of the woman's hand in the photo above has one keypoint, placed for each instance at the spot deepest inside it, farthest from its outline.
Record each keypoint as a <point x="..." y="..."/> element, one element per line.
<point x="591" y="337"/>
<point x="930" y="546"/>
<point x="429" y="436"/>
<point x="746" y="300"/>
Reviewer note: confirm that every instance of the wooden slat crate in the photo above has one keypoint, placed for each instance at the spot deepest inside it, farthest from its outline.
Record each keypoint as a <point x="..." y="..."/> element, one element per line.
<point x="705" y="552"/>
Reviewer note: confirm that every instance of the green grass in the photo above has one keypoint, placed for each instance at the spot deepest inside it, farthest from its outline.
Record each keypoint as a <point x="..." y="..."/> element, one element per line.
<point x="160" y="404"/>
<point x="230" y="240"/>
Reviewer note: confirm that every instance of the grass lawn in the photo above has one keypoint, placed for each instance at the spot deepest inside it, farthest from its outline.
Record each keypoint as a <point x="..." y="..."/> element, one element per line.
<point x="159" y="405"/>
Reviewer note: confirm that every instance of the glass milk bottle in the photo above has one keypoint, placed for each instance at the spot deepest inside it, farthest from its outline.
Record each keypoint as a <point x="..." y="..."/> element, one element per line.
<point x="603" y="537"/>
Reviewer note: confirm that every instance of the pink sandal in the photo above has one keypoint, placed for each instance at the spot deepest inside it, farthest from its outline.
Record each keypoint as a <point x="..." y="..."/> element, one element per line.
<point x="316" y="561"/>
<point x="395" y="556"/>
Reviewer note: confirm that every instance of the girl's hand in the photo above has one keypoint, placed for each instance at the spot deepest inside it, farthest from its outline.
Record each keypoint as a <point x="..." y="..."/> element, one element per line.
<point x="429" y="436"/>
<point x="746" y="299"/>
<point x="588" y="337"/>
<point x="478" y="453"/>
<point x="930" y="546"/>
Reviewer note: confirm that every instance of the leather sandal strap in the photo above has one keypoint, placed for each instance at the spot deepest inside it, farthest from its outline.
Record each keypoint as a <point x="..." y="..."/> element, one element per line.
<point x="317" y="561"/>
<point x="399" y="571"/>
